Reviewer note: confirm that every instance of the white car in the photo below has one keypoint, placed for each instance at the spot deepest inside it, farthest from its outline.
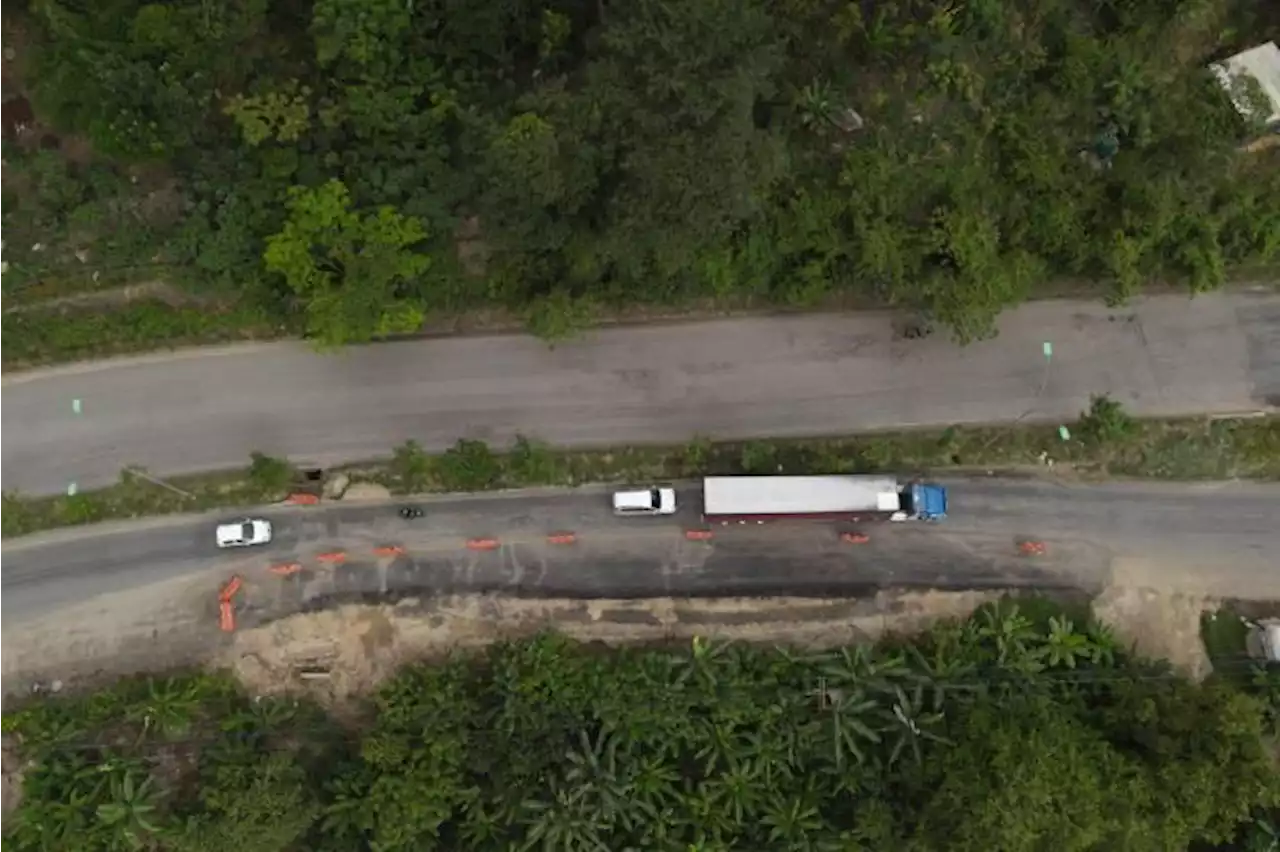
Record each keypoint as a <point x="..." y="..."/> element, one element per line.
<point x="244" y="533"/>
<point x="650" y="501"/>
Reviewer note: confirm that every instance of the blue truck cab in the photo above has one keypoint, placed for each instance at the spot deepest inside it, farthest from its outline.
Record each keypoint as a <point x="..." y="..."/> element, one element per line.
<point x="928" y="502"/>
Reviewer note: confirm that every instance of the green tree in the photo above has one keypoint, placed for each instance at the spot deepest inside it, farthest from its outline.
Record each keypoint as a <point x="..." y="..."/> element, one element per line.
<point x="282" y="115"/>
<point x="142" y="78"/>
<point x="352" y="271"/>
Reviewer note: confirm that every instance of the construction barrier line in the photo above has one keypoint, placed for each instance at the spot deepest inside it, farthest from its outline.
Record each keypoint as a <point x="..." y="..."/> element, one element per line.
<point x="698" y="535"/>
<point x="229" y="590"/>
<point x="302" y="499"/>
<point x="482" y="544"/>
<point x="562" y="538"/>
<point x="388" y="550"/>
<point x="332" y="556"/>
<point x="855" y="538"/>
<point x="226" y="617"/>
<point x="284" y="569"/>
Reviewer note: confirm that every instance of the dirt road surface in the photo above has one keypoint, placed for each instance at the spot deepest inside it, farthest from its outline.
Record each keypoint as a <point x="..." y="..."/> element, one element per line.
<point x="741" y="378"/>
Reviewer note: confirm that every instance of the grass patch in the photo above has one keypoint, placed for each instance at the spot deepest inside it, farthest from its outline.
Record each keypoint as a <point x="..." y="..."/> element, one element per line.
<point x="135" y="497"/>
<point x="1181" y="449"/>
<point x="1225" y="635"/>
<point x="33" y="338"/>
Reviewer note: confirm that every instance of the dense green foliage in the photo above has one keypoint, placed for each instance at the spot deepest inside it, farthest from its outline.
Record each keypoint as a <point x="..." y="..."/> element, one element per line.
<point x="1013" y="730"/>
<point x="366" y="163"/>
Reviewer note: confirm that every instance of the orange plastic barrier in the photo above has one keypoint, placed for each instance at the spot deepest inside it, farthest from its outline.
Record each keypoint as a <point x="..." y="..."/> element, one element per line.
<point x="388" y="550"/>
<point x="284" y="569"/>
<point x="482" y="544"/>
<point x="855" y="538"/>
<point x="226" y="613"/>
<point x="226" y="617"/>
<point x="302" y="499"/>
<point x="698" y="535"/>
<point x="334" y="556"/>
<point x="562" y="538"/>
<point x="1033" y="548"/>
<point x="229" y="590"/>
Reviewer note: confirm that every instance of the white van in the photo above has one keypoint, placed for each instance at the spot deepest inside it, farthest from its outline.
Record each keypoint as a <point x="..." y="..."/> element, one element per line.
<point x="650" y="501"/>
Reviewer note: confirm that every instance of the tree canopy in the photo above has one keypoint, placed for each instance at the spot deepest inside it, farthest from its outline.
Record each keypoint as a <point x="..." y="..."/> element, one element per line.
<point x="1016" y="730"/>
<point x="544" y="157"/>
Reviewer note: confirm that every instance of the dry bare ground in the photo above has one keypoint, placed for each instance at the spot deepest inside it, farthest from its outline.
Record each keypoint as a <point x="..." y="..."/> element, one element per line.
<point x="1159" y="625"/>
<point x="343" y="651"/>
<point x="340" y="653"/>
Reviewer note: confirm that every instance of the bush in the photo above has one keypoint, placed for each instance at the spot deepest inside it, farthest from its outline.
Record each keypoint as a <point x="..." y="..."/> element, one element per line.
<point x="269" y="474"/>
<point x="469" y="466"/>
<point x="696" y="456"/>
<point x="534" y="463"/>
<point x="759" y="457"/>
<point x="1106" y="422"/>
<point x="411" y="467"/>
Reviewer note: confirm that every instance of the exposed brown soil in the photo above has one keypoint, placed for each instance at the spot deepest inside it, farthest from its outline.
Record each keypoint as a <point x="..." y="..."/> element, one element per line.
<point x="1158" y="625"/>
<point x="338" y="654"/>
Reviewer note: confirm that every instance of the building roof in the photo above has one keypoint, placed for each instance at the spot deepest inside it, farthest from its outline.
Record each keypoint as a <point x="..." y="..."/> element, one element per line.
<point x="1261" y="64"/>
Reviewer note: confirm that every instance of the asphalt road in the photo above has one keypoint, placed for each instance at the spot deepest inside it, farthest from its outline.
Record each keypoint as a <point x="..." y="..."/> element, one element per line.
<point x="1217" y="538"/>
<point x="739" y="378"/>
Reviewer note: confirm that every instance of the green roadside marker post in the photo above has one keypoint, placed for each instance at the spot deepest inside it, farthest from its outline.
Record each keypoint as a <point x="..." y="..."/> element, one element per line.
<point x="75" y="408"/>
<point x="1063" y="432"/>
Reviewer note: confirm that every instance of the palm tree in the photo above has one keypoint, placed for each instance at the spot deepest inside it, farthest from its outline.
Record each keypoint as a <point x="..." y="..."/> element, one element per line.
<point x="791" y="819"/>
<point x="1064" y="646"/>
<point x="58" y="803"/>
<point x="1012" y="634"/>
<point x="484" y="826"/>
<point x="738" y="789"/>
<point x="849" y="731"/>
<point x="704" y="817"/>
<point x="911" y="719"/>
<point x="170" y="707"/>
<point x="942" y="668"/>
<point x="128" y="816"/>
<point x="1104" y="642"/>
<point x="701" y="666"/>
<point x="654" y="783"/>
<point x="564" y="824"/>
<point x="816" y="105"/>
<point x="594" y="774"/>
<point x="858" y="666"/>
<point x="348" y="816"/>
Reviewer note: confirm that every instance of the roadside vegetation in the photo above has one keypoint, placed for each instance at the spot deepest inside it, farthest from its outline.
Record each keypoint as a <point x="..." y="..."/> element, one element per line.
<point x="1104" y="442"/>
<point x="1022" y="728"/>
<point x="353" y="169"/>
